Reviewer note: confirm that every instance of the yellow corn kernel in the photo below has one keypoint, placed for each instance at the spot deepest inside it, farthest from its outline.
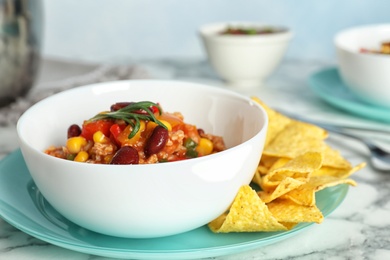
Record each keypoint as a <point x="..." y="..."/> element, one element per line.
<point x="82" y="156"/>
<point x="167" y="124"/>
<point x="205" y="146"/>
<point x="99" y="137"/>
<point x="75" y="144"/>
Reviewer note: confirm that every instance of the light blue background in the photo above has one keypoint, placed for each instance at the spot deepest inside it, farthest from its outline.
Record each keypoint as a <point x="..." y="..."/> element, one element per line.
<point x="106" y="30"/>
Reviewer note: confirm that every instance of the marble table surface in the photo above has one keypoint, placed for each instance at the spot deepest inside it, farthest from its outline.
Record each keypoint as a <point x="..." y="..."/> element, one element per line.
<point x="358" y="229"/>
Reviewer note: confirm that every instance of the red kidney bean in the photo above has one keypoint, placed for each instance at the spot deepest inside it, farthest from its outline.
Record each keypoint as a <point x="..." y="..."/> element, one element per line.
<point x="73" y="131"/>
<point x="119" y="105"/>
<point x="156" y="141"/>
<point x="125" y="155"/>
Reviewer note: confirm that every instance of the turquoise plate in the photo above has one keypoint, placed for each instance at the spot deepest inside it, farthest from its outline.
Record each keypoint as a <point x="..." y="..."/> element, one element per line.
<point x="23" y="206"/>
<point x="328" y="85"/>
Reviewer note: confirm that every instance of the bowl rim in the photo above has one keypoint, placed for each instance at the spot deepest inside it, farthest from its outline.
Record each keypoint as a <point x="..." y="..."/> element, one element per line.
<point x="210" y="31"/>
<point x="338" y="40"/>
<point x="248" y="100"/>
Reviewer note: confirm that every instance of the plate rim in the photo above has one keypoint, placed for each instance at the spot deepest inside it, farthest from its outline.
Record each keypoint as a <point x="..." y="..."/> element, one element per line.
<point x="317" y="82"/>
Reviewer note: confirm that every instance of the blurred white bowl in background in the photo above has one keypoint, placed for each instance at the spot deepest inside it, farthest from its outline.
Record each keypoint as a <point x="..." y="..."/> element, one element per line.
<point x="244" y="60"/>
<point x="366" y="74"/>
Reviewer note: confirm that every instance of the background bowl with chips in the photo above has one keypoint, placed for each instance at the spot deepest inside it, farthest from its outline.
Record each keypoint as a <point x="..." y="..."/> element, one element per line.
<point x="144" y="201"/>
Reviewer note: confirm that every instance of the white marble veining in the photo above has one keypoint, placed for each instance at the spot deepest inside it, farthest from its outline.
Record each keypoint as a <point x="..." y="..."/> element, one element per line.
<point x="358" y="229"/>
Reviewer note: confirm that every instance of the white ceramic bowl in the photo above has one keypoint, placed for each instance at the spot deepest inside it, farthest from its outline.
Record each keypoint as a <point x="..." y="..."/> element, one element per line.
<point x="366" y="75"/>
<point x="144" y="201"/>
<point x="244" y="61"/>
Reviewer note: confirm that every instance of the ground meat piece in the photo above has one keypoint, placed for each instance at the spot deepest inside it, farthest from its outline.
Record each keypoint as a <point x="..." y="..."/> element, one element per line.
<point x="101" y="150"/>
<point x="152" y="159"/>
<point x="192" y="132"/>
<point x="59" y="152"/>
<point x="174" y="143"/>
<point x="178" y="115"/>
<point x="219" y="144"/>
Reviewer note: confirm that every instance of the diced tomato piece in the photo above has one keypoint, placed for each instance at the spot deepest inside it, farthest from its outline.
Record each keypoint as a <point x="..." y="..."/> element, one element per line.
<point x="116" y="130"/>
<point x="189" y="130"/>
<point x="154" y="109"/>
<point x="89" y="128"/>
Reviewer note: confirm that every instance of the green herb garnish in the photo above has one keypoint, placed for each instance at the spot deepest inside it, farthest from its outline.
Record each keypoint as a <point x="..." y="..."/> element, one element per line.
<point x="132" y="114"/>
<point x="70" y="157"/>
<point x="190" y="145"/>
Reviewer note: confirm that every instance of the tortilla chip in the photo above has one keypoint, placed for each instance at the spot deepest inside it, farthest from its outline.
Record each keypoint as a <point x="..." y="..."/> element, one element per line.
<point x="276" y="121"/>
<point x="293" y="146"/>
<point x="247" y="214"/>
<point x="295" y="164"/>
<point x="280" y="162"/>
<point x="288" y="211"/>
<point x="338" y="172"/>
<point x="334" y="159"/>
<point x="305" y="194"/>
<point x="268" y="161"/>
<point x="257" y="177"/>
<point x="289" y="225"/>
<point x="299" y="168"/>
<point x="285" y="186"/>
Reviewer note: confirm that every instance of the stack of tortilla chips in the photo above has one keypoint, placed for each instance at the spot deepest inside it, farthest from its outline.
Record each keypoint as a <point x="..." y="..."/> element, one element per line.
<point x="296" y="163"/>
